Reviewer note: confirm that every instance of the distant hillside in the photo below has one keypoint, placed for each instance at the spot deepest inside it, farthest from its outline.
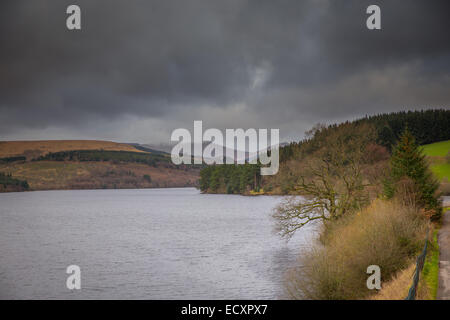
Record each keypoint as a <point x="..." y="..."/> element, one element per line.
<point x="53" y="165"/>
<point x="427" y="126"/>
<point x="145" y="148"/>
<point x="33" y="149"/>
<point x="62" y="175"/>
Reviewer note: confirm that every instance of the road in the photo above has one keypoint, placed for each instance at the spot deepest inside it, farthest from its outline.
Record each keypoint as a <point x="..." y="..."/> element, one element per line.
<point x="444" y="263"/>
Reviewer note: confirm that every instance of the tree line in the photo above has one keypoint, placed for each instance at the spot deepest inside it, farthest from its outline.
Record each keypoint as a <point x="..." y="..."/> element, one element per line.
<point x="230" y="178"/>
<point x="7" y="181"/>
<point x="102" y="155"/>
<point x="427" y="126"/>
<point x="12" y="159"/>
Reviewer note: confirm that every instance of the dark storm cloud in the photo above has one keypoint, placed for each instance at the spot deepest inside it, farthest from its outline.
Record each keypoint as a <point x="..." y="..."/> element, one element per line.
<point x="281" y="64"/>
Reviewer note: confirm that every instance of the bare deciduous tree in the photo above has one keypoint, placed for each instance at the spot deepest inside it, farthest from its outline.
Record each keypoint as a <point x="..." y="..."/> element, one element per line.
<point x="331" y="181"/>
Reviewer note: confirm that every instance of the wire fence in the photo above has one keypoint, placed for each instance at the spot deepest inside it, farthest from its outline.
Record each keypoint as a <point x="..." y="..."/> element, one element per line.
<point x="419" y="266"/>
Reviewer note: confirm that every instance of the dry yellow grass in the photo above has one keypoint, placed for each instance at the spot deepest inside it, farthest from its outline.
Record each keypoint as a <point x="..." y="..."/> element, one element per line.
<point x="386" y="234"/>
<point x="397" y="288"/>
<point x="42" y="147"/>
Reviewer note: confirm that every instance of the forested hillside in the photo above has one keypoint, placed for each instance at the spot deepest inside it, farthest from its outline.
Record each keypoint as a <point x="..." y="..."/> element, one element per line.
<point x="382" y="132"/>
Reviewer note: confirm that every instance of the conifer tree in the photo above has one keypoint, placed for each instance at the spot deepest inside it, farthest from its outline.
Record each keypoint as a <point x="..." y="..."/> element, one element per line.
<point x="408" y="161"/>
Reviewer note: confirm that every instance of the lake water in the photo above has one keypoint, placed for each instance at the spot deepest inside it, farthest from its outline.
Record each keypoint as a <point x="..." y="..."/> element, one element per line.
<point x="143" y="244"/>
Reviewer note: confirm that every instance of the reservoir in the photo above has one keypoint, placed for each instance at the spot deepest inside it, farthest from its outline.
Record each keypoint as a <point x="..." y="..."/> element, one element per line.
<point x="143" y="244"/>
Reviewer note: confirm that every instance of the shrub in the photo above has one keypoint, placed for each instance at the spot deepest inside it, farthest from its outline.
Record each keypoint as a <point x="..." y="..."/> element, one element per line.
<point x="386" y="233"/>
<point x="7" y="181"/>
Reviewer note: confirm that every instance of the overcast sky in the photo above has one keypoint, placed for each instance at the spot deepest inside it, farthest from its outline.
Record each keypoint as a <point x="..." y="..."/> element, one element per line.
<point x="139" y="69"/>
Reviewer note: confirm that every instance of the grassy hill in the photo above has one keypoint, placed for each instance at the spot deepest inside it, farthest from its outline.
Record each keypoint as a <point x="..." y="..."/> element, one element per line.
<point x="31" y="149"/>
<point x="56" y="175"/>
<point x="438" y="155"/>
<point x="53" y="165"/>
<point x="438" y="149"/>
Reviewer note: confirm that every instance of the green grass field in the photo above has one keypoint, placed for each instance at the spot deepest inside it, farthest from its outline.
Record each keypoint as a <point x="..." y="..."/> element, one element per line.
<point x="441" y="170"/>
<point x="438" y="149"/>
<point x="436" y="153"/>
